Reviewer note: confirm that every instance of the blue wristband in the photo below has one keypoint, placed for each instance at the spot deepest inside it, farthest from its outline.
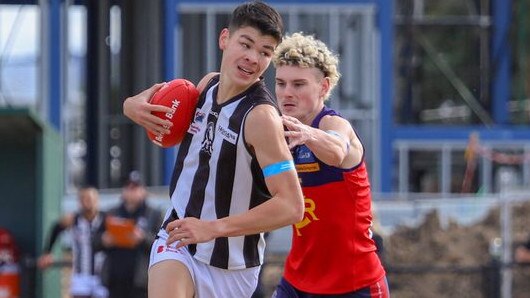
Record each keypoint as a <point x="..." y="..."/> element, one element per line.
<point x="278" y="168"/>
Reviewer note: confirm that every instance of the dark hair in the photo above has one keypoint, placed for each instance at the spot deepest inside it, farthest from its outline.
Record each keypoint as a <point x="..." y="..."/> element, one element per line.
<point x="134" y="179"/>
<point x="258" y="15"/>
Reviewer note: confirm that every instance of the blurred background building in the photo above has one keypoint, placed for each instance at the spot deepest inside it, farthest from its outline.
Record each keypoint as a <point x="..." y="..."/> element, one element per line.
<point x="419" y="78"/>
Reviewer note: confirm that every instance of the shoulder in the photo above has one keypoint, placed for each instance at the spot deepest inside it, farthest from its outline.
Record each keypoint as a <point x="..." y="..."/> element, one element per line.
<point x="339" y="125"/>
<point x="258" y="93"/>
<point x="263" y="114"/>
<point x="263" y="123"/>
<point x="333" y="121"/>
<point x="68" y="220"/>
<point x="203" y="83"/>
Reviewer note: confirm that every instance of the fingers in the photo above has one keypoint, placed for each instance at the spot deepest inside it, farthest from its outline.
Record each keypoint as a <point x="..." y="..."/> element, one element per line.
<point x="289" y="118"/>
<point x="175" y="232"/>
<point x="182" y="232"/>
<point x="294" y="138"/>
<point x="179" y="238"/>
<point x="156" y="125"/>
<point x="153" y="89"/>
<point x="153" y="123"/>
<point x="159" y="108"/>
<point x="291" y="123"/>
<point x="183" y="242"/>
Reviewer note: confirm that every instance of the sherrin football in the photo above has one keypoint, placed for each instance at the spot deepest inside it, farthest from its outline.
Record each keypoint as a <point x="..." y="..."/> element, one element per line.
<point x="181" y="96"/>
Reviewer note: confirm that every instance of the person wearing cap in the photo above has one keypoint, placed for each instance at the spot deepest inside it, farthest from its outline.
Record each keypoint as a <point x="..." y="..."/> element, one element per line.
<point x="129" y="232"/>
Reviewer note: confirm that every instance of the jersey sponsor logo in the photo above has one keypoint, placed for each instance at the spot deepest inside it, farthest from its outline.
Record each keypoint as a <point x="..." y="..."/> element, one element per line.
<point x="162" y="248"/>
<point x="199" y="116"/>
<point x="304" y="155"/>
<point x="309" y="215"/>
<point x="307" y="168"/>
<point x="227" y="134"/>
<point x="197" y="120"/>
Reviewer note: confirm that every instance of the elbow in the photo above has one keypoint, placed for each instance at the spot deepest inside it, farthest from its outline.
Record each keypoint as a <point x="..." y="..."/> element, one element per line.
<point x="335" y="156"/>
<point x="298" y="216"/>
<point x="297" y="212"/>
<point x="336" y="160"/>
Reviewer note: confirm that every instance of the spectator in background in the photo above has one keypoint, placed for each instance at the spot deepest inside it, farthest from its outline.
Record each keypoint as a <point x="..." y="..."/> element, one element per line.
<point x="87" y="260"/>
<point x="522" y="252"/>
<point x="130" y="230"/>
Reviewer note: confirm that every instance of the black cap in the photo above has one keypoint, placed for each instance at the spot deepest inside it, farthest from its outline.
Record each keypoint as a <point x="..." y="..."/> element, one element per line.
<point x="134" y="179"/>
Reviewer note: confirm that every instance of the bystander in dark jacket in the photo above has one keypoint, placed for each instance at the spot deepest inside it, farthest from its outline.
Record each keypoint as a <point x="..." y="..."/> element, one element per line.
<point x="129" y="232"/>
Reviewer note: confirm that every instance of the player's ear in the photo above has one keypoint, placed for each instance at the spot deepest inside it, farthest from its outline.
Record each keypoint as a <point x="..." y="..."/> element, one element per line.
<point x="223" y="38"/>
<point x="325" y="85"/>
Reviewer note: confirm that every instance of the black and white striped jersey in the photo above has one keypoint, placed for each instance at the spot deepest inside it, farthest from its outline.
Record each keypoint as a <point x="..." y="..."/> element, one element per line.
<point x="85" y="259"/>
<point x="216" y="175"/>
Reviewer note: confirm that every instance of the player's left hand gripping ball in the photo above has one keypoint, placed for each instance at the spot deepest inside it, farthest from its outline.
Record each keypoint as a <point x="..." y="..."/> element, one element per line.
<point x="181" y="96"/>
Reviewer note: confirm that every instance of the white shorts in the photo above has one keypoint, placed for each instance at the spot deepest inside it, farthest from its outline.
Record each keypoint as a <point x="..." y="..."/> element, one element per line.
<point x="210" y="281"/>
<point x="87" y="285"/>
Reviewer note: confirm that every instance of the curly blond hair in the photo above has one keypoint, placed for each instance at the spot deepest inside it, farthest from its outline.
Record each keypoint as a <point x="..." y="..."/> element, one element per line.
<point x="307" y="51"/>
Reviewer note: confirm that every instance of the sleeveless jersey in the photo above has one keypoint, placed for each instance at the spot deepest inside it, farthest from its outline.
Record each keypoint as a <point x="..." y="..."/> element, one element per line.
<point x="85" y="259"/>
<point x="216" y="175"/>
<point x="332" y="250"/>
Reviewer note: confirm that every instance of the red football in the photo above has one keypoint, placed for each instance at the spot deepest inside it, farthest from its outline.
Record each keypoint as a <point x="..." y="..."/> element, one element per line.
<point x="182" y="96"/>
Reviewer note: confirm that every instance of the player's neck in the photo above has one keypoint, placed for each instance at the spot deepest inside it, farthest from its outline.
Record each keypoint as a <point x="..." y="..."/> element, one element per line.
<point x="90" y="215"/>
<point x="228" y="90"/>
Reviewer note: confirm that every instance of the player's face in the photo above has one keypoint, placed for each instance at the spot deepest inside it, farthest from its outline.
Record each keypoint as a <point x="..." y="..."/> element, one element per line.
<point x="134" y="195"/>
<point x="88" y="200"/>
<point x="300" y="91"/>
<point x="246" y="54"/>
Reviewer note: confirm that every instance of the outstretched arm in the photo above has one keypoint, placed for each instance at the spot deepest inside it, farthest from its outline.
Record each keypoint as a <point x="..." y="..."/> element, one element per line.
<point x="46" y="259"/>
<point x="334" y="142"/>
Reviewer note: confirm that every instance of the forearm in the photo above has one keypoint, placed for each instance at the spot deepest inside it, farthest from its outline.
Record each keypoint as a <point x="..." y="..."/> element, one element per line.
<point x="273" y="214"/>
<point x="328" y="148"/>
<point x="55" y="232"/>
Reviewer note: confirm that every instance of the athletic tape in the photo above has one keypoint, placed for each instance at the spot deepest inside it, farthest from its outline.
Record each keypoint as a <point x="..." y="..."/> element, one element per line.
<point x="334" y="133"/>
<point x="278" y="168"/>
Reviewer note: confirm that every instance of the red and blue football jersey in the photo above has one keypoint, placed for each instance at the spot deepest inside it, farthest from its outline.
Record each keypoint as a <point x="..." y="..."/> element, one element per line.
<point x="332" y="250"/>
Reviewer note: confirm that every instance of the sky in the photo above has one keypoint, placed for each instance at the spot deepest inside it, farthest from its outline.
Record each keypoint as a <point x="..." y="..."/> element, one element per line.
<point x="20" y="44"/>
<point x="20" y="25"/>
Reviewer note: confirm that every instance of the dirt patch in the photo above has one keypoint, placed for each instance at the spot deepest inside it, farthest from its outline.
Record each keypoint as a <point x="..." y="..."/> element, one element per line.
<point x="435" y="261"/>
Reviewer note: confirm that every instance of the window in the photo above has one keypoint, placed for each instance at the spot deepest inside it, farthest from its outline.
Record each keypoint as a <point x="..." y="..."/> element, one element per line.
<point x="20" y="55"/>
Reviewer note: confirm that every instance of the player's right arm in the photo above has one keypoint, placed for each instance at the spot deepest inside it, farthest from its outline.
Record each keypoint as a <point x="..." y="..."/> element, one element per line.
<point x="138" y="109"/>
<point x="264" y="132"/>
<point x="46" y="259"/>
